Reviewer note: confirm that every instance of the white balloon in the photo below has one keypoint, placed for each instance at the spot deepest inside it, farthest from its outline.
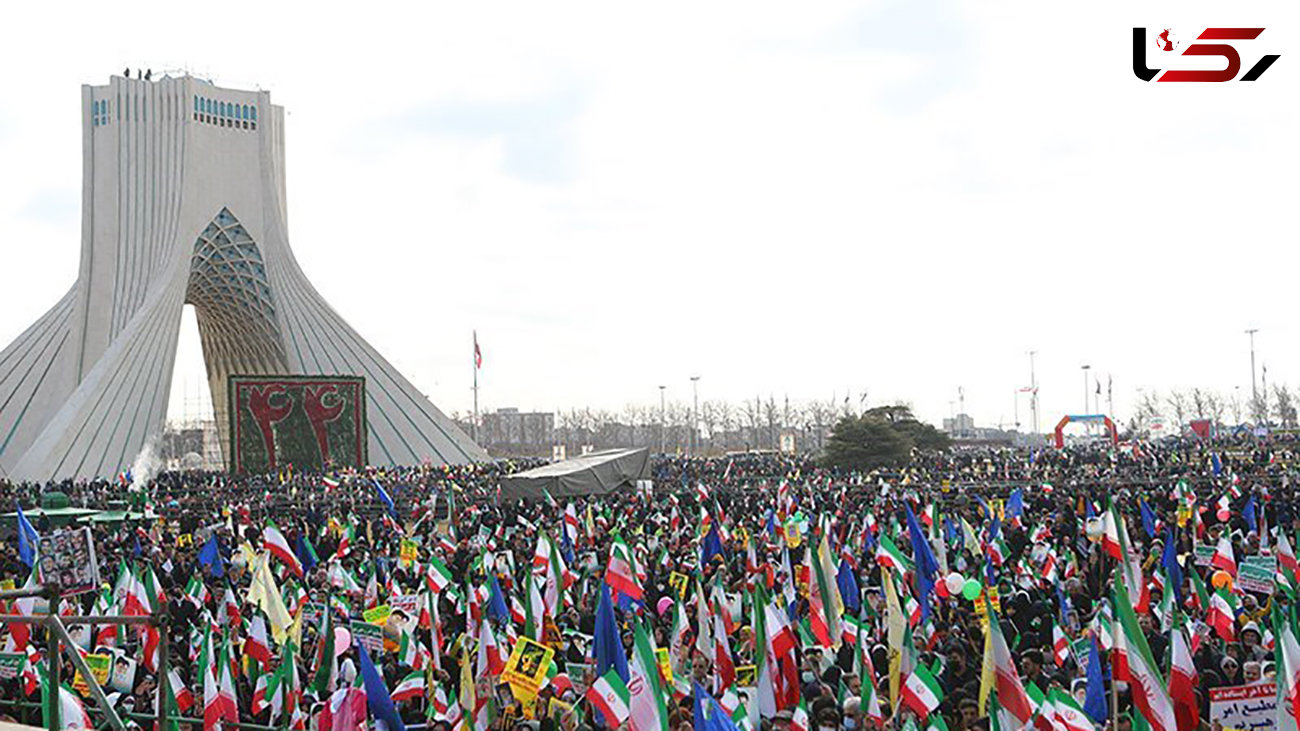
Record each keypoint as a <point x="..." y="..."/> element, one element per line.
<point x="954" y="582"/>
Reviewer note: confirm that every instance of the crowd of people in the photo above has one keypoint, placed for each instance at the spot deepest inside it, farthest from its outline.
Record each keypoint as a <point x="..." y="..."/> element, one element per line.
<point x="991" y="589"/>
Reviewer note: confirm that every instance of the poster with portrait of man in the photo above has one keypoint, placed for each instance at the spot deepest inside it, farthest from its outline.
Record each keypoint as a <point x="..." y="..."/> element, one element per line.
<point x="67" y="561"/>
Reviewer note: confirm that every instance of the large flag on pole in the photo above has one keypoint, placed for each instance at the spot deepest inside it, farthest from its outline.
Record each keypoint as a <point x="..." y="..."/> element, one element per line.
<point x="1135" y="665"/>
<point x="1005" y="680"/>
<point x="648" y="712"/>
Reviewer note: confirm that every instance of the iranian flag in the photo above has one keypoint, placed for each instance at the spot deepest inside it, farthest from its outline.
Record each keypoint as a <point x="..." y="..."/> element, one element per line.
<point x="437" y="576"/>
<point x="256" y="645"/>
<point x="184" y="698"/>
<point x="825" y="605"/>
<point x="1069" y="715"/>
<point x="1223" y="615"/>
<point x="1288" y="666"/>
<point x="411" y="687"/>
<point x="723" y="665"/>
<point x="218" y="686"/>
<point x="646" y="696"/>
<point x="1130" y="563"/>
<point x="1111" y="526"/>
<point x="780" y="634"/>
<point x="1224" y="559"/>
<point x="1182" y="680"/>
<point x="921" y="692"/>
<point x="610" y="696"/>
<point x="1287" y="567"/>
<point x="1060" y="645"/>
<point x="1134" y="664"/>
<point x="1005" y="678"/>
<point x="275" y="542"/>
<point x="799" y="719"/>
<point x="72" y="715"/>
<point x="330" y="483"/>
<point x="621" y="572"/>
<point x="888" y="555"/>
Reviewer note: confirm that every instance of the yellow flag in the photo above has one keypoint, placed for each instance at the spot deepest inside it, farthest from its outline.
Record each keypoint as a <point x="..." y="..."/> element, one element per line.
<point x="467" y="700"/>
<point x="264" y="594"/>
<point x="987" y="669"/>
<point x="895" y="628"/>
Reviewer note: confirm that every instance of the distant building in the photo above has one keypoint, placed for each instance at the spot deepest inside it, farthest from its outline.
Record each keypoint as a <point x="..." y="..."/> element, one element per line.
<point x="959" y="426"/>
<point x="511" y="432"/>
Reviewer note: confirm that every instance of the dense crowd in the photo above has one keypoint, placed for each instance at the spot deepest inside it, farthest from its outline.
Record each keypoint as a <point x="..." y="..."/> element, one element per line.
<point x="990" y="589"/>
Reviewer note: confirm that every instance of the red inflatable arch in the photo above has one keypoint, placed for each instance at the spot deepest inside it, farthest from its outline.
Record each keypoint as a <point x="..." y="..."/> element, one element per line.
<point x="1085" y="419"/>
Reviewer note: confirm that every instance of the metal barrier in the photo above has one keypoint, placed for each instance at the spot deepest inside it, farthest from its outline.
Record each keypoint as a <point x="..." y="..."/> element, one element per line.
<point x="57" y="638"/>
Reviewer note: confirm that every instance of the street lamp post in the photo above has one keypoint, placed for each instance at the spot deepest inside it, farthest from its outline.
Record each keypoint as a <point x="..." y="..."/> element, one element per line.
<point x="663" y="417"/>
<point x="1254" y="390"/>
<point x="695" y="412"/>
<point x="1085" y="393"/>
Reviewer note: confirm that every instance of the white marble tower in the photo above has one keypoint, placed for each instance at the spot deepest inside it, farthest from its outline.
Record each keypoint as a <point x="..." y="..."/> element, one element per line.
<point x="183" y="201"/>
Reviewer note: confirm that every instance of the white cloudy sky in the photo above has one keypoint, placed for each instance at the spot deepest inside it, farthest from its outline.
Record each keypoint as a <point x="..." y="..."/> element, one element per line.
<point x="895" y="196"/>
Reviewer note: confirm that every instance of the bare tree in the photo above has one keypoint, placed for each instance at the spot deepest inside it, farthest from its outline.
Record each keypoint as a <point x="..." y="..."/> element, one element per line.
<point x="1200" y="403"/>
<point x="1178" y="404"/>
<point x="1283" y="405"/>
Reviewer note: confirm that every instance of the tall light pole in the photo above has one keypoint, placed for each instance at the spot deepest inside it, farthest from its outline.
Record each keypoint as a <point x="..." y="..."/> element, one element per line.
<point x="1254" y="390"/>
<point x="695" y="411"/>
<point x="1085" y="392"/>
<point x="1033" y="392"/>
<point x="663" y="418"/>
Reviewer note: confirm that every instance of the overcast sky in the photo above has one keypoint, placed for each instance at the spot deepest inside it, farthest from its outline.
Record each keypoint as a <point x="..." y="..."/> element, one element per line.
<point x="893" y="197"/>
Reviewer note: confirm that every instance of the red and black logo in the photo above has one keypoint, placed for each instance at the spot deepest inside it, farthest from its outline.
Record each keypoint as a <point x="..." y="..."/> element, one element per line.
<point x="1166" y="42"/>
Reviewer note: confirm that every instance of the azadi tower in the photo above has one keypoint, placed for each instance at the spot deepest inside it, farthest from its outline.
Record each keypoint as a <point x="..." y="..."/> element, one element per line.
<point x="183" y="202"/>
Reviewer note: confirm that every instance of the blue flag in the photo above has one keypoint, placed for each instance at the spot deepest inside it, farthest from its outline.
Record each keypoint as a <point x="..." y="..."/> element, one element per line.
<point x="1148" y="519"/>
<point x="1015" y="504"/>
<point x="607" y="645"/>
<point x="27" y="539"/>
<point x="711" y="547"/>
<point x="1094" y="704"/>
<point x="709" y="715"/>
<point x="304" y="555"/>
<point x="927" y="566"/>
<point x="1248" y="513"/>
<point x="1216" y="464"/>
<point x="849" y="587"/>
<point x="378" y="700"/>
<point x="496" y="607"/>
<point x="1170" y="561"/>
<point x="385" y="499"/>
<point x="210" y="555"/>
<point x="1089" y="512"/>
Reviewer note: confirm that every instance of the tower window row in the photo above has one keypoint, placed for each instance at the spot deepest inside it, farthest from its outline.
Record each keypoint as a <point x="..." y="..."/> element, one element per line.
<point x="99" y="112"/>
<point x="225" y="114"/>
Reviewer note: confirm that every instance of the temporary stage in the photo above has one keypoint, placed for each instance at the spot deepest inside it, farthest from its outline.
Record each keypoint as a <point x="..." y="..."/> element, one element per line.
<point x="596" y="473"/>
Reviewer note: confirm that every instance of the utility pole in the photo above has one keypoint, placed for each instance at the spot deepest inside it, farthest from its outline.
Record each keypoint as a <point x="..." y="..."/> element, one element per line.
<point x="1033" y="390"/>
<point x="695" y="412"/>
<point x="961" y="411"/>
<point x="1085" y="394"/>
<point x="663" y="417"/>
<point x="1254" y="391"/>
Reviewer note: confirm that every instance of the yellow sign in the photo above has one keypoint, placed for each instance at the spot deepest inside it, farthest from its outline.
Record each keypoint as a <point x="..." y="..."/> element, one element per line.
<point x="379" y="615"/>
<point x="992" y="592"/>
<point x="746" y="676"/>
<point x="527" y="665"/>
<point x="665" y="665"/>
<point x="7" y="585"/>
<point x="410" y="551"/>
<point x="184" y="540"/>
<point x="678" y="582"/>
<point x="558" y="710"/>
<point x="100" y="666"/>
